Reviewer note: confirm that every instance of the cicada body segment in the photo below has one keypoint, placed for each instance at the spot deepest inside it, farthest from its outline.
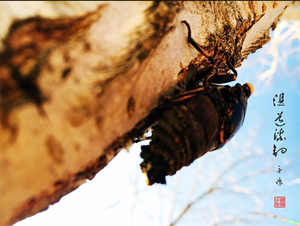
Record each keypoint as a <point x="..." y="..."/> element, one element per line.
<point x="186" y="131"/>
<point x="198" y="120"/>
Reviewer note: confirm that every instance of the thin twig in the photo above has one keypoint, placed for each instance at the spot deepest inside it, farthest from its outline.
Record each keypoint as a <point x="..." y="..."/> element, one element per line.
<point x="277" y="217"/>
<point x="213" y="187"/>
<point x="233" y="220"/>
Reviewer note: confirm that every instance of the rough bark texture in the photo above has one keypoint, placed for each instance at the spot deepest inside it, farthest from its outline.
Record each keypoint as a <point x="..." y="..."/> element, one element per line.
<point x="76" y="78"/>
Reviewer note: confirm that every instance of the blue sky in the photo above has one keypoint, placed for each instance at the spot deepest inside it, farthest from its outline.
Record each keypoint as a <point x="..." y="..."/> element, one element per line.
<point x="262" y="113"/>
<point x="249" y="184"/>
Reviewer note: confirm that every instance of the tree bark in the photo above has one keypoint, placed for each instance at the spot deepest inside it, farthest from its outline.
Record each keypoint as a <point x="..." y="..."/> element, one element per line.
<point x="76" y="78"/>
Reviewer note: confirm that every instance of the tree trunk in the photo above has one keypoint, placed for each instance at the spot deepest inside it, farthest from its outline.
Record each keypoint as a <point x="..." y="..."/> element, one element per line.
<point x="77" y="77"/>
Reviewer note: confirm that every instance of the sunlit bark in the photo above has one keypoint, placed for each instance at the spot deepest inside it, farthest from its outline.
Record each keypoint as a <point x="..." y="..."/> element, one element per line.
<point x="76" y="77"/>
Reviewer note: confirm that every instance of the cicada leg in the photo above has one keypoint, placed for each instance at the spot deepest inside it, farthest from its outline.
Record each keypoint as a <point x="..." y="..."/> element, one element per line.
<point x="223" y="78"/>
<point x="196" y="45"/>
<point x="214" y="78"/>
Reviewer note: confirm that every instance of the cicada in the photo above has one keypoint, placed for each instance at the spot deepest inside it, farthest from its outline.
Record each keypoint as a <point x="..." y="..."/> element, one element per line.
<point x="198" y="120"/>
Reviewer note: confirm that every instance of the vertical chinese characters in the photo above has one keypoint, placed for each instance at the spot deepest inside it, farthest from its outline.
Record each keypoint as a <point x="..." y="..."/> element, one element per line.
<point x="279" y="131"/>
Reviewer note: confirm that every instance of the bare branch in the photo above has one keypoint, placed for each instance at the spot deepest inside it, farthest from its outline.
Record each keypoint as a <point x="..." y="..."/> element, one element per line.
<point x="277" y="218"/>
<point x="213" y="188"/>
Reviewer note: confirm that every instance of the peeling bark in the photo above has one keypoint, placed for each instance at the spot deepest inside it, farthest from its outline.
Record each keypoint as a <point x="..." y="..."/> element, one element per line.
<point x="77" y="79"/>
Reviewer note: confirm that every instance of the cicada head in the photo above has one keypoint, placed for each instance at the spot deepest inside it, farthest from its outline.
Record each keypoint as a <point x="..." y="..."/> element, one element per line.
<point x="235" y="115"/>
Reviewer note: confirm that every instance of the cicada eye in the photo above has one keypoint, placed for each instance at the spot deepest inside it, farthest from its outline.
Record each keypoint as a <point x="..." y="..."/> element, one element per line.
<point x="234" y="121"/>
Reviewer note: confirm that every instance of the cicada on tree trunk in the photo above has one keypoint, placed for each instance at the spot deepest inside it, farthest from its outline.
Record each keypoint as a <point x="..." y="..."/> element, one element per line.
<point x="200" y="119"/>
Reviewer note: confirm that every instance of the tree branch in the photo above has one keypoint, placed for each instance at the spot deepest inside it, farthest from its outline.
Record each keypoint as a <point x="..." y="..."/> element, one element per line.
<point x="77" y="77"/>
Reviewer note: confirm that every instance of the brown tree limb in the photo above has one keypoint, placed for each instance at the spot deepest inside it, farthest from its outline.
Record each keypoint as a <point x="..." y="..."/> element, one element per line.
<point x="76" y="78"/>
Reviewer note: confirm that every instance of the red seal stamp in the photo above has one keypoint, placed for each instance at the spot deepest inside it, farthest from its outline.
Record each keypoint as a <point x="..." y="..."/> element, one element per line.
<point x="279" y="201"/>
